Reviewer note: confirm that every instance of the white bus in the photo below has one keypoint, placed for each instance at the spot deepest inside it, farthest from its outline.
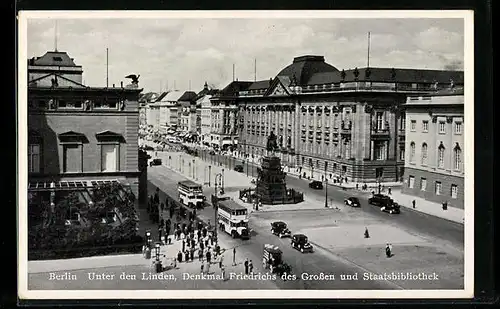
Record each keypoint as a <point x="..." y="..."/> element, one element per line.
<point x="190" y="194"/>
<point x="233" y="219"/>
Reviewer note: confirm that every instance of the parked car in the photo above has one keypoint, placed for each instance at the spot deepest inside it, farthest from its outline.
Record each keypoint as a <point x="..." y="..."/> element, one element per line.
<point x="239" y="168"/>
<point x="316" y="184"/>
<point x="301" y="243"/>
<point x="380" y="200"/>
<point x="352" y="201"/>
<point x="393" y="208"/>
<point x="279" y="228"/>
<point x="153" y="162"/>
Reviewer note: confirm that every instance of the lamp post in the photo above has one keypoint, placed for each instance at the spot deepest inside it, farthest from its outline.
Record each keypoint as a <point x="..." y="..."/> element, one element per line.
<point x="218" y="180"/>
<point x="244" y="166"/>
<point x="209" y="172"/>
<point x="326" y="190"/>
<point x="253" y="158"/>
<point x="222" y="187"/>
<point x="179" y="163"/>
<point x="194" y="169"/>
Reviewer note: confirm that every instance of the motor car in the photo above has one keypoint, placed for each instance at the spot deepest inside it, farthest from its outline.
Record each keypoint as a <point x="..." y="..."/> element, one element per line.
<point x="301" y="243"/>
<point x="393" y="208"/>
<point x="316" y="184"/>
<point x="352" y="201"/>
<point x="380" y="200"/>
<point x="239" y="168"/>
<point x="280" y="229"/>
<point x="153" y="162"/>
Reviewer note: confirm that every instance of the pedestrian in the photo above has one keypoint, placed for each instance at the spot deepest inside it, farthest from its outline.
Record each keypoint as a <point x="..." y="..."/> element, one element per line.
<point x="357" y="186"/>
<point x="186" y="256"/>
<point x="202" y="268"/>
<point x="223" y="270"/>
<point x="160" y="234"/>
<point x="250" y="266"/>
<point x="183" y="245"/>
<point x="234" y="256"/>
<point x="179" y="257"/>
<point x="198" y="233"/>
<point x="389" y="191"/>
<point x="388" y="251"/>
<point x="191" y="253"/>
<point x="209" y="256"/>
<point x="171" y="212"/>
<point x="445" y="205"/>
<point x="194" y="214"/>
<point x="200" y="255"/>
<point x="202" y="246"/>
<point x="162" y="222"/>
<point x="206" y="242"/>
<point x="208" y="267"/>
<point x="246" y="266"/>
<point x="413" y="203"/>
<point x="221" y="259"/>
<point x="193" y="243"/>
<point x="162" y="206"/>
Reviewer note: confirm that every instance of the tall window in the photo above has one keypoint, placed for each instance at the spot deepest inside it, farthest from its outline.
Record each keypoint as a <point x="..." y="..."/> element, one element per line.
<point x="442" y="127"/>
<point x="457" y="158"/>
<point x="109" y="157"/>
<point x="441" y="150"/>
<point x="424" y="154"/>
<point x="438" y="188"/>
<point x="72" y="158"/>
<point x="380" y="120"/>
<point x="402" y="123"/>
<point x="402" y="154"/>
<point x="412" y="152"/>
<point x="411" y="182"/>
<point x="34" y="158"/>
<point x="454" y="191"/>
<point x="423" y="184"/>
<point x="380" y="150"/>
<point x="413" y="125"/>
<point x="458" y="128"/>
<point x="425" y="126"/>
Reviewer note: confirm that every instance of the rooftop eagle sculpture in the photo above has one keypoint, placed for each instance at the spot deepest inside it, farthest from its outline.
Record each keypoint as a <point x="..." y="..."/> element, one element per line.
<point x="135" y="78"/>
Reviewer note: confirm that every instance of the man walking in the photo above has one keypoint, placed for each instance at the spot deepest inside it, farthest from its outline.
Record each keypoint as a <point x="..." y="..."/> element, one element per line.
<point x="413" y="203"/>
<point x="209" y="256"/>
<point x="234" y="256"/>
<point x="246" y="266"/>
<point x="250" y="266"/>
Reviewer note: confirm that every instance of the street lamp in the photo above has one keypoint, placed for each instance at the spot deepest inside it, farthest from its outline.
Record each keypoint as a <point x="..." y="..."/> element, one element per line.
<point x="222" y="188"/>
<point x="209" y="172"/>
<point x="326" y="190"/>
<point x="194" y="169"/>
<point x="218" y="180"/>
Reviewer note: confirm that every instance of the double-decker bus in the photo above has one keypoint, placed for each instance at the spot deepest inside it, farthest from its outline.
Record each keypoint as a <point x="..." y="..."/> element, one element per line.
<point x="233" y="219"/>
<point x="190" y="194"/>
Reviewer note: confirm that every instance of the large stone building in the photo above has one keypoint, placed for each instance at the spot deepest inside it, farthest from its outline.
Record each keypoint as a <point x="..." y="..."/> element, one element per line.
<point x="331" y="123"/>
<point x="187" y="112"/>
<point x="78" y="136"/>
<point x="434" y="161"/>
<point x="224" y="116"/>
<point x="204" y="108"/>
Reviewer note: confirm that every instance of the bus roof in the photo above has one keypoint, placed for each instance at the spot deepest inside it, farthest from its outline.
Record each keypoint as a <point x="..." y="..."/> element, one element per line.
<point x="189" y="183"/>
<point x="231" y="205"/>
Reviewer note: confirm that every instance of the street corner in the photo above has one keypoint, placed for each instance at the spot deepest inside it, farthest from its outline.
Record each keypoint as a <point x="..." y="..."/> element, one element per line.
<point x="354" y="235"/>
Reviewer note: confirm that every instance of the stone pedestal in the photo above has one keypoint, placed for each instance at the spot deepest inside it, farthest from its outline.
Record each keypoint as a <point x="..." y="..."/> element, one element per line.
<point x="271" y="187"/>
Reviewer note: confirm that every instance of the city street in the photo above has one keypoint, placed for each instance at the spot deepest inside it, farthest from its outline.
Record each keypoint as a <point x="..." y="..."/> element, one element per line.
<point x="443" y="255"/>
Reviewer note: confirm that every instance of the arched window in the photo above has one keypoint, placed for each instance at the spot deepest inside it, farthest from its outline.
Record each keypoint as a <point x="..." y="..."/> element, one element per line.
<point x="457" y="158"/>
<point x="412" y="152"/>
<point x="441" y="151"/>
<point x="424" y="154"/>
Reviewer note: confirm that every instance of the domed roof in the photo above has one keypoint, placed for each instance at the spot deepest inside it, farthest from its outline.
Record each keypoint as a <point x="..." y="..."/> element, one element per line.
<point x="304" y="67"/>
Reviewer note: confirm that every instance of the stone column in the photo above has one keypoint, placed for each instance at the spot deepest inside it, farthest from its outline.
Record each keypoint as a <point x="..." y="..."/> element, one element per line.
<point x="372" y="147"/>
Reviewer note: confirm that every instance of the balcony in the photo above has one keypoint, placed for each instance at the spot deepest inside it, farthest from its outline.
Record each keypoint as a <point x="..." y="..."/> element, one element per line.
<point x="380" y="132"/>
<point x="346" y="127"/>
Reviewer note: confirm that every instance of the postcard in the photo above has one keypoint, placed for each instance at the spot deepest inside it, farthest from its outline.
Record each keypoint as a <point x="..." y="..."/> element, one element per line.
<point x="245" y="154"/>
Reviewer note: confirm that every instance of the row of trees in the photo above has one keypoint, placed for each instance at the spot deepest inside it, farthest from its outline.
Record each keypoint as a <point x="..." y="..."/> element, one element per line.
<point x="109" y="219"/>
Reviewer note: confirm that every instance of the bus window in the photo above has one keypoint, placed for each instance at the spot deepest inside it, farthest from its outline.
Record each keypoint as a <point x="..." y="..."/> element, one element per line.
<point x="191" y="197"/>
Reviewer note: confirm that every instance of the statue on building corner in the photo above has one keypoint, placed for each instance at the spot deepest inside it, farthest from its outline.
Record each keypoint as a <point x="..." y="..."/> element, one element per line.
<point x="135" y="80"/>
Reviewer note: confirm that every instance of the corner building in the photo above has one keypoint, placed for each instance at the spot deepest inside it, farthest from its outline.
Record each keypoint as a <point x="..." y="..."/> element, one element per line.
<point x="332" y="123"/>
<point x="435" y="141"/>
<point x="79" y="136"/>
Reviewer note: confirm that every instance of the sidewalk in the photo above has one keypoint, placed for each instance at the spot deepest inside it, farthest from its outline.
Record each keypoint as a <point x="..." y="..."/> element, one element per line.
<point x="431" y="208"/>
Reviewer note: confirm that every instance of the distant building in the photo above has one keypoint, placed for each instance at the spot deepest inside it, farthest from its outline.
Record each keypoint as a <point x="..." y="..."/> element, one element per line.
<point x="168" y="107"/>
<point x="224" y="115"/>
<point x="434" y="160"/>
<point x="335" y="123"/>
<point x="203" y="108"/>
<point x="78" y="136"/>
<point x="187" y="111"/>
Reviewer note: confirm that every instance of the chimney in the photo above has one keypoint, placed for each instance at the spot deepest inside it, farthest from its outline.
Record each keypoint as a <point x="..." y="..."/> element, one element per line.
<point x="121" y="84"/>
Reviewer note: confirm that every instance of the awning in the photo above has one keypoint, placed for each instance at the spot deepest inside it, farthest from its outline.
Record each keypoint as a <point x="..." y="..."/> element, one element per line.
<point x="62" y="185"/>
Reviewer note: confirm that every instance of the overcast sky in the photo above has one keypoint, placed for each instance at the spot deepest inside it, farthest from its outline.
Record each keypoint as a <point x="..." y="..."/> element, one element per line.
<point x="192" y="51"/>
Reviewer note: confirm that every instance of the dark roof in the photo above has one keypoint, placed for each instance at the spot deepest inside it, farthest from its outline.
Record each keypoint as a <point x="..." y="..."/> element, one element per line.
<point x="233" y="88"/>
<point x="146" y="97"/>
<point x="261" y="84"/>
<point x="53" y="58"/>
<point x="389" y="75"/>
<point x="304" y="67"/>
<point x="188" y="96"/>
<point x="161" y="96"/>
<point x="231" y="205"/>
<point x="206" y="91"/>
